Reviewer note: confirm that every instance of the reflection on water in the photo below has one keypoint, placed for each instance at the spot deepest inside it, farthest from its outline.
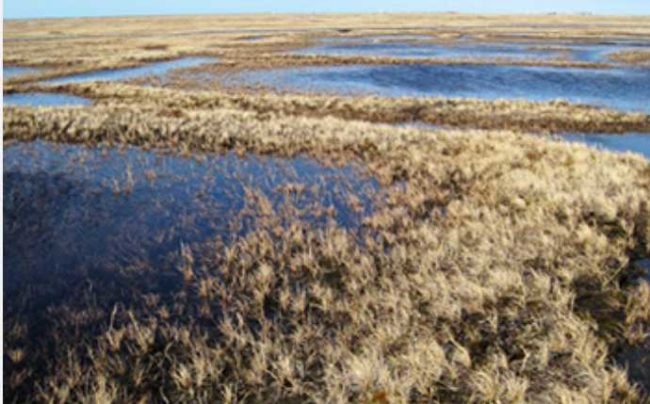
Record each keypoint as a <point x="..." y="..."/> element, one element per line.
<point x="631" y="142"/>
<point x="42" y="99"/>
<point x="411" y="47"/>
<point x="75" y="210"/>
<point x="152" y="69"/>
<point x="9" y="72"/>
<point x="90" y="230"/>
<point x="625" y="89"/>
<point x="429" y="50"/>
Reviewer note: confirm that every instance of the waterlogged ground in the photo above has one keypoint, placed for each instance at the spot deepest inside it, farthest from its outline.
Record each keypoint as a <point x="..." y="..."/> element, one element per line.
<point x="119" y="285"/>
<point x="43" y="100"/>
<point x="399" y="48"/>
<point x="429" y="50"/>
<point x="151" y="69"/>
<point x="71" y="210"/>
<point x="39" y="99"/>
<point x="619" y="88"/>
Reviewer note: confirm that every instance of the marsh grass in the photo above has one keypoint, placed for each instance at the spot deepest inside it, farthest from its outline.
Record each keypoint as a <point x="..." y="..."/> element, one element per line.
<point x="262" y="56"/>
<point x="93" y="44"/>
<point x="120" y="40"/>
<point x="633" y="57"/>
<point x="547" y="117"/>
<point x="498" y="269"/>
<point x="497" y="266"/>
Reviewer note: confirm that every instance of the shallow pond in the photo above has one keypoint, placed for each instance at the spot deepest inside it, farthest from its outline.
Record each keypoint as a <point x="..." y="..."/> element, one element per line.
<point x="151" y="69"/>
<point x="630" y="142"/>
<point x="43" y="100"/>
<point x="429" y="50"/>
<point x="412" y="47"/>
<point x="9" y="72"/>
<point x="625" y="89"/>
<point x="71" y="210"/>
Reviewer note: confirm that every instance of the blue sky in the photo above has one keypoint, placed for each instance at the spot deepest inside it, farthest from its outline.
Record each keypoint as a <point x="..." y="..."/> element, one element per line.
<point x="77" y="8"/>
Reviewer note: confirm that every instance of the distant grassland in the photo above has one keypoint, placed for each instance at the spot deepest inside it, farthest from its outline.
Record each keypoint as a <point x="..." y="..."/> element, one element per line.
<point x="118" y="42"/>
<point x="92" y="44"/>
<point x="498" y="268"/>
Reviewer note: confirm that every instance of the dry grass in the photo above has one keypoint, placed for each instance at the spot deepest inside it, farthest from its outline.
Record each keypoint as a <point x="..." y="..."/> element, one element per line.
<point x="498" y="267"/>
<point x="634" y="57"/>
<point x="120" y="42"/>
<point x="549" y="117"/>
<point x="495" y="271"/>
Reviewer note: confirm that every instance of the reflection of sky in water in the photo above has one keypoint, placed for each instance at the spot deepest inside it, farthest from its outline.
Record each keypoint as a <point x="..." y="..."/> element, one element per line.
<point x="70" y="207"/>
<point x="151" y="69"/>
<point x="42" y="99"/>
<point x="631" y="142"/>
<point x="620" y="88"/>
<point x="385" y="46"/>
<point x="402" y="50"/>
<point x="15" y="71"/>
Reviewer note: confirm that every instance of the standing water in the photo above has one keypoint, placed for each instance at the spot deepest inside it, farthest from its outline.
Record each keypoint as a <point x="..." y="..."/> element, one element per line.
<point x="619" y="88"/>
<point x="630" y="142"/>
<point x="69" y="209"/>
<point x="152" y="69"/>
<point x="9" y="72"/>
<point x="400" y="48"/>
<point x="43" y="100"/>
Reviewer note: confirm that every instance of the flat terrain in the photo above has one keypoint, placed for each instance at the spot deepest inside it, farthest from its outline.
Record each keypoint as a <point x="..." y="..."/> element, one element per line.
<point x="182" y="235"/>
<point x="95" y="42"/>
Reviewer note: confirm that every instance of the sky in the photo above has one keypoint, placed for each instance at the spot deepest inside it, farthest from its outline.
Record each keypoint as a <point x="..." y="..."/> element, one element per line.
<point x="86" y="8"/>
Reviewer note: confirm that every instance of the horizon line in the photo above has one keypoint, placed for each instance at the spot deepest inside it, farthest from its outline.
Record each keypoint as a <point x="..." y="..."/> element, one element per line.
<point x="235" y="13"/>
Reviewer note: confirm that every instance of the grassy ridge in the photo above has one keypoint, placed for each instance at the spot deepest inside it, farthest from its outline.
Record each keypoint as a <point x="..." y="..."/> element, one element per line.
<point x="548" y="117"/>
<point x="633" y="57"/>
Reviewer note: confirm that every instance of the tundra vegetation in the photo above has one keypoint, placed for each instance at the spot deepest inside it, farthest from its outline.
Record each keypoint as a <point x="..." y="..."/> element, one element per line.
<point x="494" y="266"/>
<point x="640" y="57"/>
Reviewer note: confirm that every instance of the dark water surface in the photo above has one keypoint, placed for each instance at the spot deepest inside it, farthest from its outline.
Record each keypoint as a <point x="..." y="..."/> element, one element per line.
<point x="619" y="88"/>
<point x="72" y="210"/>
